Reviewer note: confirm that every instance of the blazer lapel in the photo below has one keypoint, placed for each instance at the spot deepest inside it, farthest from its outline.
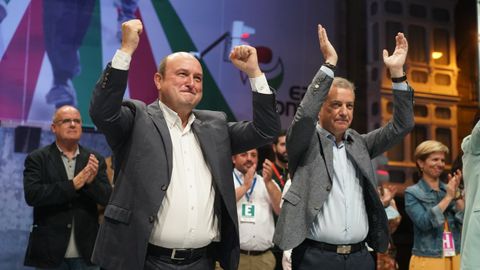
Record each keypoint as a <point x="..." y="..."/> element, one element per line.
<point x="81" y="160"/>
<point x="361" y="159"/>
<point x="327" y="153"/>
<point x="159" y="121"/>
<point x="207" y="145"/>
<point x="55" y="157"/>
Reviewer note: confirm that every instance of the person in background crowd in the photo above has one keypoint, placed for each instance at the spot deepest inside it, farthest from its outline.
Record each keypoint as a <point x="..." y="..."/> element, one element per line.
<point x="278" y="167"/>
<point x="64" y="182"/>
<point x="258" y="198"/>
<point x="435" y="211"/>
<point x="280" y="164"/>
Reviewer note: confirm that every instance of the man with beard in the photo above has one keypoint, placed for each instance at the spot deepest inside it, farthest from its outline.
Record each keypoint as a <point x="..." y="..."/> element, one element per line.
<point x="279" y="172"/>
<point x="258" y="198"/>
<point x="280" y="167"/>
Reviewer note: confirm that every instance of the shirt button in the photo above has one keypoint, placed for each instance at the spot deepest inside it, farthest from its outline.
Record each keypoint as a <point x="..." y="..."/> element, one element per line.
<point x="164" y="187"/>
<point x="329" y="187"/>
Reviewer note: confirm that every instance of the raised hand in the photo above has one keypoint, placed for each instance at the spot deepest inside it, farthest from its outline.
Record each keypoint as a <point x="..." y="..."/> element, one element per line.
<point x="328" y="51"/>
<point x="248" y="178"/>
<point x="244" y="57"/>
<point x="87" y="174"/>
<point x="131" y="31"/>
<point x="267" y="171"/>
<point x="92" y="167"/>
<point x="453" y="182"/>
<point x="396" y="61"/>
<point x="388" y="194"/>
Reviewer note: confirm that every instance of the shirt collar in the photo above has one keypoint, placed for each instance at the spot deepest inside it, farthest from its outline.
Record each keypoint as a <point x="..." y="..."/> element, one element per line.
<point x="173" y="119"/>
<point x="77" y="152"/>
<point x="346" y="137"/>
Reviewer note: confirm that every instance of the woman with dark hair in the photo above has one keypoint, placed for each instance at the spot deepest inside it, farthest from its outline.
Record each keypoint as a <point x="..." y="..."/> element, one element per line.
<point x="435" y="210"/>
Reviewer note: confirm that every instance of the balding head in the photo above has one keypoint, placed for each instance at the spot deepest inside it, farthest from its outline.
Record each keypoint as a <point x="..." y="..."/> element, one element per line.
<point x="67" y="126"/>
<point x="163" y="64"/>
<point x="179" y="82"/>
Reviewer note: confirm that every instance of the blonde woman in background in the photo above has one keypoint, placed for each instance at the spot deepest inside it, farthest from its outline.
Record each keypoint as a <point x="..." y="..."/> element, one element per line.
<point x="435" y="211"/>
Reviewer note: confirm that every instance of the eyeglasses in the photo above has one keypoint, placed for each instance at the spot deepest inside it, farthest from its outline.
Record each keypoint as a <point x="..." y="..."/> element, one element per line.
<point x="68" y="121"/>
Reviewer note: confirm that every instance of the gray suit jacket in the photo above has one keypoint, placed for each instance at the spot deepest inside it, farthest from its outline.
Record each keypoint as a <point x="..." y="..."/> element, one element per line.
<point x="140" y="139"/>
<point x="311" y="165"/>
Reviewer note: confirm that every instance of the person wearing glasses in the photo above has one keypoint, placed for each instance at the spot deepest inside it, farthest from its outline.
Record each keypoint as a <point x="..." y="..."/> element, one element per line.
<point x="64" y="182"/>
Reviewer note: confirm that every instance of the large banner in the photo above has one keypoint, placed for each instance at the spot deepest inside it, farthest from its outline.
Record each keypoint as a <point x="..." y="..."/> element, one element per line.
<point x="53" y="51"/>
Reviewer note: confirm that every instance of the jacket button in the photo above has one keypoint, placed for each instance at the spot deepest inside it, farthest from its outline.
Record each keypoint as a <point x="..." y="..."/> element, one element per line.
<point x="316" y="208"/>
<point x="151" y="219"/>
<point x="164" y="187"/>
<point x="329" y="187"/>
<point x="69" y="226"/>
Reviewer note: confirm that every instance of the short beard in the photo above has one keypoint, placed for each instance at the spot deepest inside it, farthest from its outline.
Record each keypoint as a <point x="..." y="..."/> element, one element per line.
<point x="282" y="157"/>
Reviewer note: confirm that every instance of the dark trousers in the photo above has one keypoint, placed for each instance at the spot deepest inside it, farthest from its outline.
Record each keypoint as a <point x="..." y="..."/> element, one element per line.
<point x="305" y="257"/>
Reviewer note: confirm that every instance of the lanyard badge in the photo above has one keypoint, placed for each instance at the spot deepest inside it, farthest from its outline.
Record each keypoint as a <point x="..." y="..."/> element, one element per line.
<point x="248" y="213"/>
<point x="248" y="207"/>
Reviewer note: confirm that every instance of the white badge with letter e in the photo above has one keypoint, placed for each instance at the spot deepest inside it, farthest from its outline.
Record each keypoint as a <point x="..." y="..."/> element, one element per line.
<point x="248" y="213"/>
<point x="448" y="245"/>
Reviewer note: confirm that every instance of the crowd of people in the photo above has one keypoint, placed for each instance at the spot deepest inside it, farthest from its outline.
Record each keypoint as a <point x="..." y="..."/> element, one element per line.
<point x="191" y="191"/>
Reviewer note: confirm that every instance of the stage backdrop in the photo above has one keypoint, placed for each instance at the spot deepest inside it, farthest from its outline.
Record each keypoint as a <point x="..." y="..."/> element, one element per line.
<point x="47" y="43"/>
<point x="63" y="45"/>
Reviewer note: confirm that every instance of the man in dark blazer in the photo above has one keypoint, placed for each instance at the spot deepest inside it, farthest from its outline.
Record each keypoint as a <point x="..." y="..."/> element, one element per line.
<point x="332" y="207"/>
<point x="173" y="206"/>
<point x="64" y="182"/>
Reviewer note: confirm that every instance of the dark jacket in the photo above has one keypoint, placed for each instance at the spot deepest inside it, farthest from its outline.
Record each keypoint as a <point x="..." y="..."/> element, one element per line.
<point x="140" y="139"/>
<point x="56" y="204"/>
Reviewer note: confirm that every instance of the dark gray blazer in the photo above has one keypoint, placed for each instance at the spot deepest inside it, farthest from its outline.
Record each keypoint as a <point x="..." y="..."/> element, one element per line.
<point x="139" y="137"/>
<point x="311" y="165"/>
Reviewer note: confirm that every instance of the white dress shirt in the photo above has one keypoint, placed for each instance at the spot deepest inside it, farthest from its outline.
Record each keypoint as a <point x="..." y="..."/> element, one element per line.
<point x="256" y="236"/>
<point x="343" y="217"/>
<point x="186" y="217"/>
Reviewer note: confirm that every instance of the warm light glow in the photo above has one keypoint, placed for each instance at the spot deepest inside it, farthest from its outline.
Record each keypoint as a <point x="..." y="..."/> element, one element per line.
<point x="437" y="55"/>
